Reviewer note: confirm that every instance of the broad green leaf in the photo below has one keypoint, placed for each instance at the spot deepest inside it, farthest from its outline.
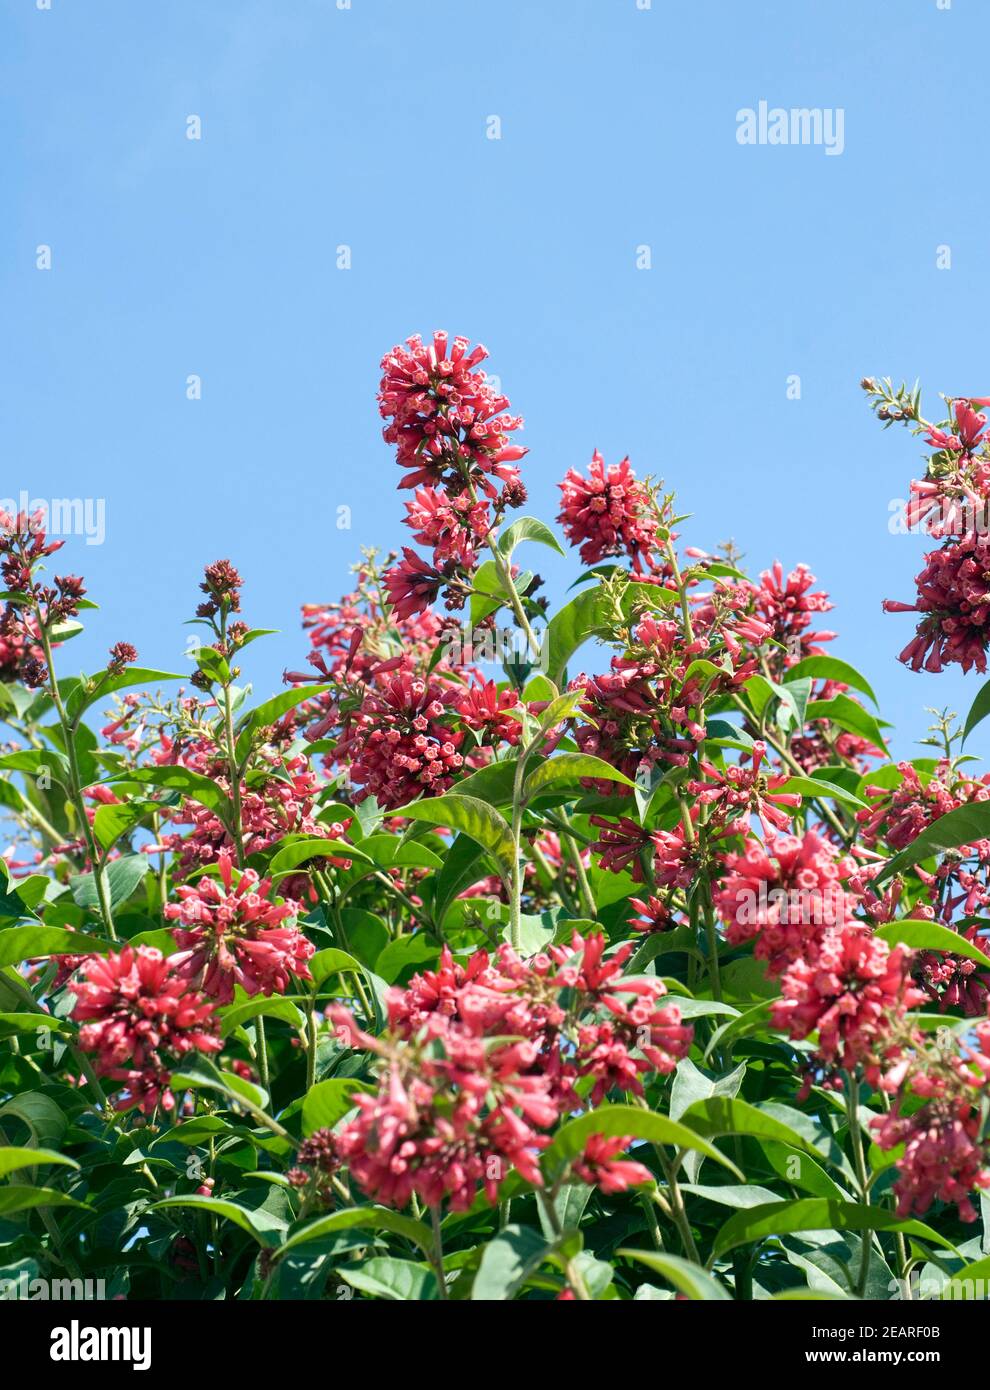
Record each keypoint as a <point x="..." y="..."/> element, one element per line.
<point x="230" y="1211"/>
<point x="271" y="711"/>
<point x="112" y="821"/>
<point x="493" y="783"/>
<point x="690" y="1086"/>
<point x="80" y="694"/>
<point x="829" y="668"/>
<point x="27" y="943"/>
<point x="509" y="1259"/>
<point x="816" y="787"/>
<point x="929" y="936"/>
<point x="815" y="1214"/>
<point x="850" y="716"/>
<point x="687" y="1278"/>
<point x="569" y="768"/>
<point x="372" y="1218"/>
<point x="203" y="1074"/>
<point x="718" y="1115"/>
<point x="181" y="779"/>
<point x="24" y="1196"/>
<point x="285" y="860"/>
<point x="473" y="818"/>
<point x="278" y="1006"/>
<point x="630" y="1120"/>
<point x="527" y="528"/>
<point x="328" y="1102"/>
<point x="14" y="1158"/>
<point x="963" y="826"/>
<point x="121" y="877"/>
<point x="978" y="711"/>
<point x="397" y="1280"/>
<point x="38" y="761"/>
<point x="331" y="962"/>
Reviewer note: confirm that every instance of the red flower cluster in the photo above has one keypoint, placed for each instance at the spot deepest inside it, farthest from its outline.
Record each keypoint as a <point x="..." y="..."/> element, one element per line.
<point x="445" y="420"/>
<point x="483" y="1058"/>
<point x="141" y="1016"/>
<point x="943" y="1158"/>
<point x="852" y="991"/>
<point x="608" y="512"/>
<point x="951" y="502"/>
<point x="234" y="935"/>
<point x="398" y="742"/>
<point x="786" y="894"/>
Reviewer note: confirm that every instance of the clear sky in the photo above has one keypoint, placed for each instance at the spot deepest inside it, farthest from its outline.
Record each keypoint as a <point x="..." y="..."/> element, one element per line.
<point x="369" y="127"/>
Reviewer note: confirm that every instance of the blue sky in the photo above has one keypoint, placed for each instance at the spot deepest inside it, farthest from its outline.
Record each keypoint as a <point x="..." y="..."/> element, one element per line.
<point x="368" y="127"/>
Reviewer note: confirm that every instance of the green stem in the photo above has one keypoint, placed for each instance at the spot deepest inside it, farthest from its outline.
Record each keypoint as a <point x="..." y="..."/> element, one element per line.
<point x="76" y="791"/>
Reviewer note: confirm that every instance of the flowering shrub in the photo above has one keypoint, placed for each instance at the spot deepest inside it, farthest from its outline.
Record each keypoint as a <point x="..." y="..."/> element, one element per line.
<point x="597" y="953"/>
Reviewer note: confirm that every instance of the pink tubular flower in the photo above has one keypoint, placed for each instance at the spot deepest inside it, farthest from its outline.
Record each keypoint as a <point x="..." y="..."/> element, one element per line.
<point x="954" y="600"/>
<point x="140" y="1016"/>
<point x="786" y="895"/>
<point x="607" y="513"/>
<point x="788" y="607"/>
<point x="851" y="992"/>
<point x="600" y="1165"/>
<point x="453" y="526"/>
<point x="943" y="1158"/>
<point x="444" y="416"/>
<point x="412" y="584"/>
<point x="739" y="792"/>
<point x="233" y="935"/>
<point x="488" y="710"/>
<point x="482" y="1058"/>
<point x="397" y="742"/>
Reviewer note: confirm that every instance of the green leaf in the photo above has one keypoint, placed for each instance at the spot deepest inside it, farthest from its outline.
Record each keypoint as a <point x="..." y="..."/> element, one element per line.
<point x="494" y="783"/>
<point x="816" y="787"/>
<point x="829" y="668"/>
<point x="570" y="767"/>
<point x="24" y="1196"/>
<point x="397" y="1280"/>
<point x="588" y="615"/>
<point x="331" y="962"/>
<point x="121" y="877"/>
<point x="328" y="1102"/>
<point x="630" y="1120"/>
<point x="473" y="818"/>
<point x="527" y="528"/>
<point x="278" y="1006"/>
<point x="372" y="1218"/>
<point x="271" y="711"/>
<point x="719" y="1115"/>
<point x="963" y="826"/>
<point x="13" y="1158"/>
<point x="79" y="694"/>
<point x="37" y="762"/>
<point x="929" y="936"/>
<point x="508" y="1261"/>
<point x="112" y="821"/>
<point x="28" y="943"/>
<point x="690" y="1086"/>
<point x="815" y="1214"/>
<point x="850" y="716"/>
<point x="181" y="779"/>
<point x="459" y="872"/>
<point x="203" y="1074"/>
<point x="285" y="860"/>
<point x="219" y="1206"/>
<point x="978" y="710"/>
<point x="687" y="1278"/>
